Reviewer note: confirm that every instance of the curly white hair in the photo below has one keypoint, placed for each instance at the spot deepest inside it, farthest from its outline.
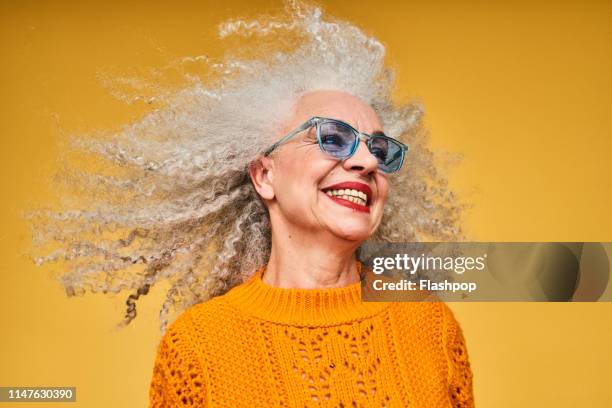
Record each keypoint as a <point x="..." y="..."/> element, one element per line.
<point x="179" y="205"/>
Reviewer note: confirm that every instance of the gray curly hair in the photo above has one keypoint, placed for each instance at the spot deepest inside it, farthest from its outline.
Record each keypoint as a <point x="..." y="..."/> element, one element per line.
<point x="173" y="199"/>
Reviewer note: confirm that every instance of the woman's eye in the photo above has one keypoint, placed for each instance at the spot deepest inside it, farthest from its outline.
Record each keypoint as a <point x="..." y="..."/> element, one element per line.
<point x="331" y="139"/>
<point x="380" y="154"/>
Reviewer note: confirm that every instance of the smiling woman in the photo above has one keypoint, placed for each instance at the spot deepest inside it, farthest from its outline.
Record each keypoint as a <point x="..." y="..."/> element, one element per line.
<point x="251" y="192"/>
<point x="296" y="183"/>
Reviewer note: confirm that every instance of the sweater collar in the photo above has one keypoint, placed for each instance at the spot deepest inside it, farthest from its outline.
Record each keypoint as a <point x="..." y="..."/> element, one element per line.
<point x="301" y="307"/>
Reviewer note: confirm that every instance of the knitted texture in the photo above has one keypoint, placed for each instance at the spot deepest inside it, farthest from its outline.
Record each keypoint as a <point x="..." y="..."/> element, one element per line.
<point x="263" y="346"/>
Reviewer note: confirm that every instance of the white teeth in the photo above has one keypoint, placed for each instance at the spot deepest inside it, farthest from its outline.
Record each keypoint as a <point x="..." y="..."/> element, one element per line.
<point x="354" y="196"/>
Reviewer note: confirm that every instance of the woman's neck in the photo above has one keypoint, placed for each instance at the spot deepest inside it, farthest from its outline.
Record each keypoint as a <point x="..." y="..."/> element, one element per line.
<point x="304" y="262"/>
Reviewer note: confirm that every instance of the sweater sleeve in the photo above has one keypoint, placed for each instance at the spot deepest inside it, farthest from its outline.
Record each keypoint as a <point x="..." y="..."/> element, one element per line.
<point x="178" y="378"/>
<point x="459" y="371"/>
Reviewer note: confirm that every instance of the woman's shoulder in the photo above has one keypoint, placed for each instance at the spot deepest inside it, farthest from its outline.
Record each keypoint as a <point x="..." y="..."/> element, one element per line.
<point x="433" y="316"/>
<point x="211" y="310"/>
<point x="211" y="318"/>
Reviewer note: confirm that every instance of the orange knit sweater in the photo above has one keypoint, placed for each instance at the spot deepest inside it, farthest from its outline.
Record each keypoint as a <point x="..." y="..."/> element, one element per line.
<point x="263" y="346"/>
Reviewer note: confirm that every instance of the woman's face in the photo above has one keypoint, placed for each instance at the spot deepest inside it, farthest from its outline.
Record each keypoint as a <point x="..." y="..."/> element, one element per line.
<point x="302" y="176"/>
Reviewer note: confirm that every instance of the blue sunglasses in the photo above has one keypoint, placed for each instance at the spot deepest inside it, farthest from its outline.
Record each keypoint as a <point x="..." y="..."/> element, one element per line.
<point x="340" y="140"/>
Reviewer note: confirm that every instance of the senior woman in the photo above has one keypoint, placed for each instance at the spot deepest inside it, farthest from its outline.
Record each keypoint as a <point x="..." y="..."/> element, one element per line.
<point x="297" y="333"/>
<point x="251" y="190"/>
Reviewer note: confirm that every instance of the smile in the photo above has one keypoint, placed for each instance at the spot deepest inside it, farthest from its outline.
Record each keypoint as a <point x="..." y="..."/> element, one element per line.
<point x="355" y="195"/>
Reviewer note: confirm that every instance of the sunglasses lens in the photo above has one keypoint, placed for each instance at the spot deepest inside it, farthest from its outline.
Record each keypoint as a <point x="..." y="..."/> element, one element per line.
<point x="337" y="139"/>
<point x="388" y="152"/>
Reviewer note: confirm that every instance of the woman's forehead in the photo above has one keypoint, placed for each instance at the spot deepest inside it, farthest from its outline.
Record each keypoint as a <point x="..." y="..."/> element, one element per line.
<point x="336" y="105"/>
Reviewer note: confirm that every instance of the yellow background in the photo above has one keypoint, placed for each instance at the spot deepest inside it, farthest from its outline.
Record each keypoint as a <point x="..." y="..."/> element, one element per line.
<point x="522" y="89"/>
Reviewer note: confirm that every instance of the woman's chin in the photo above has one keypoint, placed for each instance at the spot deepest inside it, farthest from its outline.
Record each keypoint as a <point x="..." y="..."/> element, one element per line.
<point x="344" y="222"/>
<point x="351" y="232"/>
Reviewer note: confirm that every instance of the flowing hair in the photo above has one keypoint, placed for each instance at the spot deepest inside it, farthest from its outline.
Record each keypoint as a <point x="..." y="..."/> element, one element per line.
<point x="169" y="198"/>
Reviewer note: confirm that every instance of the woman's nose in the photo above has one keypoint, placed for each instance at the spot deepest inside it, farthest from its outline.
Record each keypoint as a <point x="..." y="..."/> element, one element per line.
<point x="362" y="160"/>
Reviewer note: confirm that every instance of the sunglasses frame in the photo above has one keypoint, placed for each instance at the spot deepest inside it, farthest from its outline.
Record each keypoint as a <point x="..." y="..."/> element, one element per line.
<point x="317" y="121"/>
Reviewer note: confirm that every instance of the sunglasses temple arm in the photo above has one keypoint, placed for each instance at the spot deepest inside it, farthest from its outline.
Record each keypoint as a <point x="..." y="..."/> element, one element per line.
<point x="303" y="127"/>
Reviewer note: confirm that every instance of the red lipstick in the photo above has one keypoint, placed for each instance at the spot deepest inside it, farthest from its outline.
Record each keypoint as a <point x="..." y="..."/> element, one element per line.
<point x="351" y="185"/>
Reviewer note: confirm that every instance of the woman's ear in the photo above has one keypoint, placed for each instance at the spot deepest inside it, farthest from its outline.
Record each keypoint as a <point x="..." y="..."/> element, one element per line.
<point x="261" y="173"/>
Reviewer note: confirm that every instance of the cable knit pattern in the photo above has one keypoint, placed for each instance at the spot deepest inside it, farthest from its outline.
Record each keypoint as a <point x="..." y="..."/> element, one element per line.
<point x="263" y="346"/>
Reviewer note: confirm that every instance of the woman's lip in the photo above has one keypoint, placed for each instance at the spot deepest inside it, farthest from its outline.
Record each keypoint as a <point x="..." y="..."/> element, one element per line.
<point x="352" y="185"/>
<point x="349" y="204"/>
